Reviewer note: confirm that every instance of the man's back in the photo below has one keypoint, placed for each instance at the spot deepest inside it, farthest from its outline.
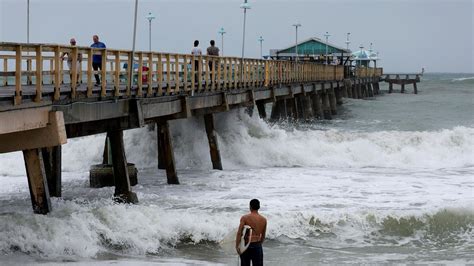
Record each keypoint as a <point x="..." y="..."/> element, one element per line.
<point x="258" y="224"/>
<point x="212" y="50"/>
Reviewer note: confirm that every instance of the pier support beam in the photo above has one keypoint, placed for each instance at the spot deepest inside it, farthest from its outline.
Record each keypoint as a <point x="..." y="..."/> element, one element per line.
<point x="291" y="109"/>
<point x="354" y="91"/>
<point x="160" y="148"/>
<point x="332" y="100"/>
<point x="339" y="93"/>
<point x="415" y="88"/>
<point x="261" y="109"/>
<point x="326" y="105"/>
<point x="403" y="88"/>
<point x="37" y="181"/>
<point x="52" y="168"/>
<point x="123" y="192"/>
<point x="317" y="108"/>
<point x="307" y="109"/>
<point x="390" y="87"/>
<point x="278" y="110"/>
<point x="213" y="144"/>
<point x="370" y="91"/>
<point x="300" y="107"/>
<point x="167" y="152"/>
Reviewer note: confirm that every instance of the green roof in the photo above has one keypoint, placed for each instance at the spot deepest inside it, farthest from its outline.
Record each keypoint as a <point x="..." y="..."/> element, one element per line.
<point x="313" y="46"/>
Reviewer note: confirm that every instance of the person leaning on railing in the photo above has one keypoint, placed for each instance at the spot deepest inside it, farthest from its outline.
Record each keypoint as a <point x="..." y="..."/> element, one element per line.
<point x="69" y="60"/>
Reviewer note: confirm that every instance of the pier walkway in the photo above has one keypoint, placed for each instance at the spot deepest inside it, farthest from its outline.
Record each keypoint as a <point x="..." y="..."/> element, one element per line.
<point x="42" y="104"/>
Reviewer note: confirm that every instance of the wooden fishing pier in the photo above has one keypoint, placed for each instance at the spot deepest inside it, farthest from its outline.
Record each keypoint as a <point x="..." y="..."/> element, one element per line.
<point x="42" y="104"/>
<point x="406" y="79"/>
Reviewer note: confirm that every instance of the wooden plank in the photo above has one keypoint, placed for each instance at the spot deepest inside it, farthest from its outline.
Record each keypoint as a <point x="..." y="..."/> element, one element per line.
<point x="5" y="69"/>
<point x="199" y="77"/>
<point x="159" y="72"/>
<point x="149" y="92"/>
<point x="39" y="74"/>
<point x="117" y="74"/>
<point x="176" y="72"/>
<point x="193" y="74"/>
<point x="140" y="75"/>
<point x="168" y="74"/>
<point x="185" y="73"/>
<point x="89" y="73"/>
<point x="73" y="75"/>
<point x="218" y="78"/>
<point x="103" y="82"/>
<point x="18" y="93"/>
<point x="225" y="77"/>
<point x="55" y="70"/>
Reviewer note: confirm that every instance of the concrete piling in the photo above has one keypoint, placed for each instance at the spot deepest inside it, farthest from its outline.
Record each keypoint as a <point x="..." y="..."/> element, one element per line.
<point x="213" y="143"/>
<point x="37" y="181"/>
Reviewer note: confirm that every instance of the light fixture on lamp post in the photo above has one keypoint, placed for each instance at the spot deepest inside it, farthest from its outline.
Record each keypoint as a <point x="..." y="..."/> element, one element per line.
<point x="150" y="17"/>
<point x="327" y="37"/>
<point x="222" y="32"/>
<point x="347" y="40"/>
<point x="297" y="25"/>
<point x="261" y="45"/>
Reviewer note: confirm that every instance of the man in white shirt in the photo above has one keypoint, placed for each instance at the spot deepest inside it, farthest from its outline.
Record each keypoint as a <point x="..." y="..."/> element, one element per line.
<point x="196" y="52"/>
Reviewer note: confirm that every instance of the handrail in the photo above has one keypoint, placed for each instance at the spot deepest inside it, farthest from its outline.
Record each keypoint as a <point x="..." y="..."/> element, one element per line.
<point x="160" y="73"/>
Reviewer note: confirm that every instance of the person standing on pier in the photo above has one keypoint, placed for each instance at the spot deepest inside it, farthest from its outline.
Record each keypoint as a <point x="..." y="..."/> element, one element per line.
<point x="214" y="51"/>
<point x="97" y="59"/>
<point x="69" y="60"/>
<point x="256" y="236"/>
<point x="196" y="51"/>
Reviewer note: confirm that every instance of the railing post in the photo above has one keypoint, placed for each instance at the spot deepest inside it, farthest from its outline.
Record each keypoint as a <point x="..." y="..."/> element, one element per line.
<point x="117" y="74"/>
<point x="199" y="77"/>
<point x="73" y="72"/>
<point x="159" y="79"/>
<point x="176" y="74"/>
<point x="89" y="72"/>
<point x="149" y="91"/>
<point x="168" y="74"/>
<point x="18" y="93"/>
<point x="140" y="75"/>
<point x="39" y="73"/>
<point x="185" y="73"/>
<point x="103" y="70"/>
<point x="5" y="68"/>
<point x="57" y="79"/>
<point x="193" y="74"/>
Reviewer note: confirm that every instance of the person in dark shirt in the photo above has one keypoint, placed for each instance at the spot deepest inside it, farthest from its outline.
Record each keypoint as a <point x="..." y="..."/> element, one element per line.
<point x="97" y="58"/>
<point x="214" y="51"/>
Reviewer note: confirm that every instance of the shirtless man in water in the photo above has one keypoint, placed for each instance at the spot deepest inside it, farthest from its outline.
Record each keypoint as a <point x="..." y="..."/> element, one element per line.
<point x="258" y="223"/>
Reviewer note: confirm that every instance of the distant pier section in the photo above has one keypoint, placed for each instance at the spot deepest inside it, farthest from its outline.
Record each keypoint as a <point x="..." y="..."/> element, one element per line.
<point x="402" y="80"/>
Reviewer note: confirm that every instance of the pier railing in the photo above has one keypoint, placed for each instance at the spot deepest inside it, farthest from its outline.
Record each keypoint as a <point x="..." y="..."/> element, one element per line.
<point x="39" y="66"/>
<point x="367" y="72"/>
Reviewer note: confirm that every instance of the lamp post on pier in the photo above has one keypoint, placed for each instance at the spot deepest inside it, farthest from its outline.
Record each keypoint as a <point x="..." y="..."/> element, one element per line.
<point x="222" y="32"/>
<point x="297" y="25"/>
<point x="28" y="21"/>
<point x="261" y="45"/>
<point x="150" y="17"/>
<point x="132" y="55"/>
<point x="244" y="6"/>
<point x="327" y="37"/>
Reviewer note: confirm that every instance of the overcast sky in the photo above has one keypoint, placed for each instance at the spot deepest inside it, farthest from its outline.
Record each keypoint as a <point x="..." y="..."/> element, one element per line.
<point x="409" y="35"/>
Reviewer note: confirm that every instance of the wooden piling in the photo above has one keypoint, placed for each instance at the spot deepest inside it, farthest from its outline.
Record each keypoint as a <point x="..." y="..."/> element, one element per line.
<point x="52" y="167"/>
<point x="167" y="152"/>
<point x="261" y="109"/>
<point x="123" y="192"/>
<point x="370" y="91"/>
<point x="307" y="109"/>
<point x="37" y="181"/>
<point x="290" y="109"/>
<point x="317" y="107"/>
<point x="332" y="100"/>
<point x="326" y="105"/>
<point x="300" y="115"/>
<point x="403" y="88"/>
<point x="390" y="87"/>
<point x="415" y="88"/>
<point x="213" y="144"/>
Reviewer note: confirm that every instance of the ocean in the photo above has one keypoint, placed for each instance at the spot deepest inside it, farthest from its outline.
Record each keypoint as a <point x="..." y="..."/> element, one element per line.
<point x="389" y="180"/>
